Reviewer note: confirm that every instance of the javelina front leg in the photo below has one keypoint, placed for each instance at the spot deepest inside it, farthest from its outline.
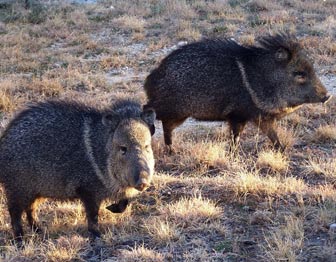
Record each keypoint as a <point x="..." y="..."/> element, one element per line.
<point x="118" y="207"/>
<point x="31" y="217"/>
<point x="15" y="212"/>
<point x="91" y="207"/>
<point x="267" y="126"/>
<point x="236" y="128"/>
<point x="168" y="127"/>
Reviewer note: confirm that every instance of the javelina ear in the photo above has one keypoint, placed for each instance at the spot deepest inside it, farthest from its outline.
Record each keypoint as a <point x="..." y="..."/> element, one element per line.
<point x="282" y="55"/>
<point x="148" y="115"/>
<point x="110" y="120"/>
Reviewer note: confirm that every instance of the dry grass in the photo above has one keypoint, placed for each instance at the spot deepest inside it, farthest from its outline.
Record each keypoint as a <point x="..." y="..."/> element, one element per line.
<point x="276" y="161"/>
<point x="255" y="184"/>
<point x="191" y="211"/>
<point x="321" y="167"/>
<point x="325" y="134"/>
<point x="186" y="31"/>
<point x="162" y="231"/>
<point x="6" y="105"/>
<point x="206" y="203"/>
<point x="140" y="254"/>
<point x="130" y="23"/>
<point x="285" y="243"/>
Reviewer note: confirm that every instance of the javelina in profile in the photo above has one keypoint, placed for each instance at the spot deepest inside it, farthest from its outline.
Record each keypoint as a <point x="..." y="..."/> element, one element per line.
<point x="68" y="149"/>
<point x="217" y="80"/>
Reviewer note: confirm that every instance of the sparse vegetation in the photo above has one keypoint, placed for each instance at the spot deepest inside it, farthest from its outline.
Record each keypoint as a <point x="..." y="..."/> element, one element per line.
<point x="274" y="161"/>
<point x="206" y="202"/>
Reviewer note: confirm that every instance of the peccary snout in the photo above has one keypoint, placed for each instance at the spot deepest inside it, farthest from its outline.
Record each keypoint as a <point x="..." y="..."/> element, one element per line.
<point x="143" y="181"/>
<point x="321" y="92"/>
<point x="142" y="185"/>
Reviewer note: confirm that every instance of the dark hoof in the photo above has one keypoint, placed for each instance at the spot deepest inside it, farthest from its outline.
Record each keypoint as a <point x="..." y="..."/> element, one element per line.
<point x="170" y="150"/>
<point x="119" y="207"/>
<point x="18" y="242"/>
<point x="94" y="234"/>
<point x="279" y="147"/>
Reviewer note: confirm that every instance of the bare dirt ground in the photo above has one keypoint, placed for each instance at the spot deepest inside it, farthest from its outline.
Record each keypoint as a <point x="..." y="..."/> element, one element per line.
<point x="206" y="203"/>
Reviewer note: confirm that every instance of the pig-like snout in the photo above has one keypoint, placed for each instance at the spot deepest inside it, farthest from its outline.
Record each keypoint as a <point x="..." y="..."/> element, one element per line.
<point x="143" y="172"/>
<point x="143" y="181"/>
<point x="322" y="92"/>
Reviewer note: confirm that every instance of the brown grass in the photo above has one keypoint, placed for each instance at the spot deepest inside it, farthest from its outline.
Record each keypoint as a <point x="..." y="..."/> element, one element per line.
<point x="285" y="243"/>
<point x="191" y="211"/>
<point x="325" y="134"/>
<point x="130" y="23"/>
<point x="275" y="161"/>
<point x="141" y="254"/>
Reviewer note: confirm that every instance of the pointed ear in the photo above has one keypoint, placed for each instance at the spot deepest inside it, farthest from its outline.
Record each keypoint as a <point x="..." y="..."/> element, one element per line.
<point x="110" y="120"/>
<point x="148" y="115"/>
<point x="282" y="55"/>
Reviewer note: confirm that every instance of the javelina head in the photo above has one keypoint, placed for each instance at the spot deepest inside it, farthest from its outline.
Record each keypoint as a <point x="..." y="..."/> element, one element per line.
<point x="291" y="71"/>
<point x="131" y="159"/>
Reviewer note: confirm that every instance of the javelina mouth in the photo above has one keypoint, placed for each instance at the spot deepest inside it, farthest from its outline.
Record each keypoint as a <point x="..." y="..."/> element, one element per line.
<point x="326" y="99"/>
<point x="142" y="186"/>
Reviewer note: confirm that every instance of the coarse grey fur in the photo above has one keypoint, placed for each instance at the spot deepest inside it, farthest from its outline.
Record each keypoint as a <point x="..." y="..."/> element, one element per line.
<point x="219" y="79"/>
<point x="70" y="149"/>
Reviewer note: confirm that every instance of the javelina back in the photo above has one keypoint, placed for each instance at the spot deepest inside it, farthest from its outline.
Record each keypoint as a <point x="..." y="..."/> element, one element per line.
<point x="217" y="80"/>
<point x="68" y="149"/>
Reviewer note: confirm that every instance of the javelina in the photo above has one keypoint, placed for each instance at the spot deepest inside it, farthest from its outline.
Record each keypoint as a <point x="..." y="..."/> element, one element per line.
<point x="217" y="80"/>
<point x="71" y="149"/>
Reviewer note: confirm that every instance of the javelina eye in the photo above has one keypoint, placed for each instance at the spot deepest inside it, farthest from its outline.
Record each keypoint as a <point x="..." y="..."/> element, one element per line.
<point x="300" y="77"/>
<point x="123" y="150"/>
<point x="147" y="147"/>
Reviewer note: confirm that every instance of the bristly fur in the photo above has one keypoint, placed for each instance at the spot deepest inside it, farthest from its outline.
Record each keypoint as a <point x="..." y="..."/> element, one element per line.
<point x="219" y="79"/>
<point x="216" y="44"/>
<point x="280" y="40"/>
<point x="227" y="46"/>
<point x="126" y="108"/>
<point x="211" y="47"/>
<point x="66" y="149"/>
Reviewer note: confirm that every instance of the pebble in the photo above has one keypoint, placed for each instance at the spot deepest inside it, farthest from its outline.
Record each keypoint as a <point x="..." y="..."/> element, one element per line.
<point x="332" y="227"/>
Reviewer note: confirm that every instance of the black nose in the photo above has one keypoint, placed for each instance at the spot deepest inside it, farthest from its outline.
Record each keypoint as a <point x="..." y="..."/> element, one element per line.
<point x="326" y="99"/>
<point x="142" y="184"/>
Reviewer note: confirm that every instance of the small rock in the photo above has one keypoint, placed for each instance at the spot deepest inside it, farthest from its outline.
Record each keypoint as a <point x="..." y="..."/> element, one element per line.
<point x="332" y="227"/>
<point x="182" y="43"/>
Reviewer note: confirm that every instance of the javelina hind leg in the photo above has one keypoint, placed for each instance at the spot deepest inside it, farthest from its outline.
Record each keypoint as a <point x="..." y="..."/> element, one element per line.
<point x="168" y="127"/>
<point x="236" y="128"/>
<point x="267" y="126"/>
<point x="31" y="217"/>
<point x="91" y="208"/>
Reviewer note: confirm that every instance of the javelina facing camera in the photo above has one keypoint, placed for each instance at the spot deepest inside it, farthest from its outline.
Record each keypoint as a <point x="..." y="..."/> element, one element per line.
<point x="215" y="80"/>
<point x="68" y="149"/>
